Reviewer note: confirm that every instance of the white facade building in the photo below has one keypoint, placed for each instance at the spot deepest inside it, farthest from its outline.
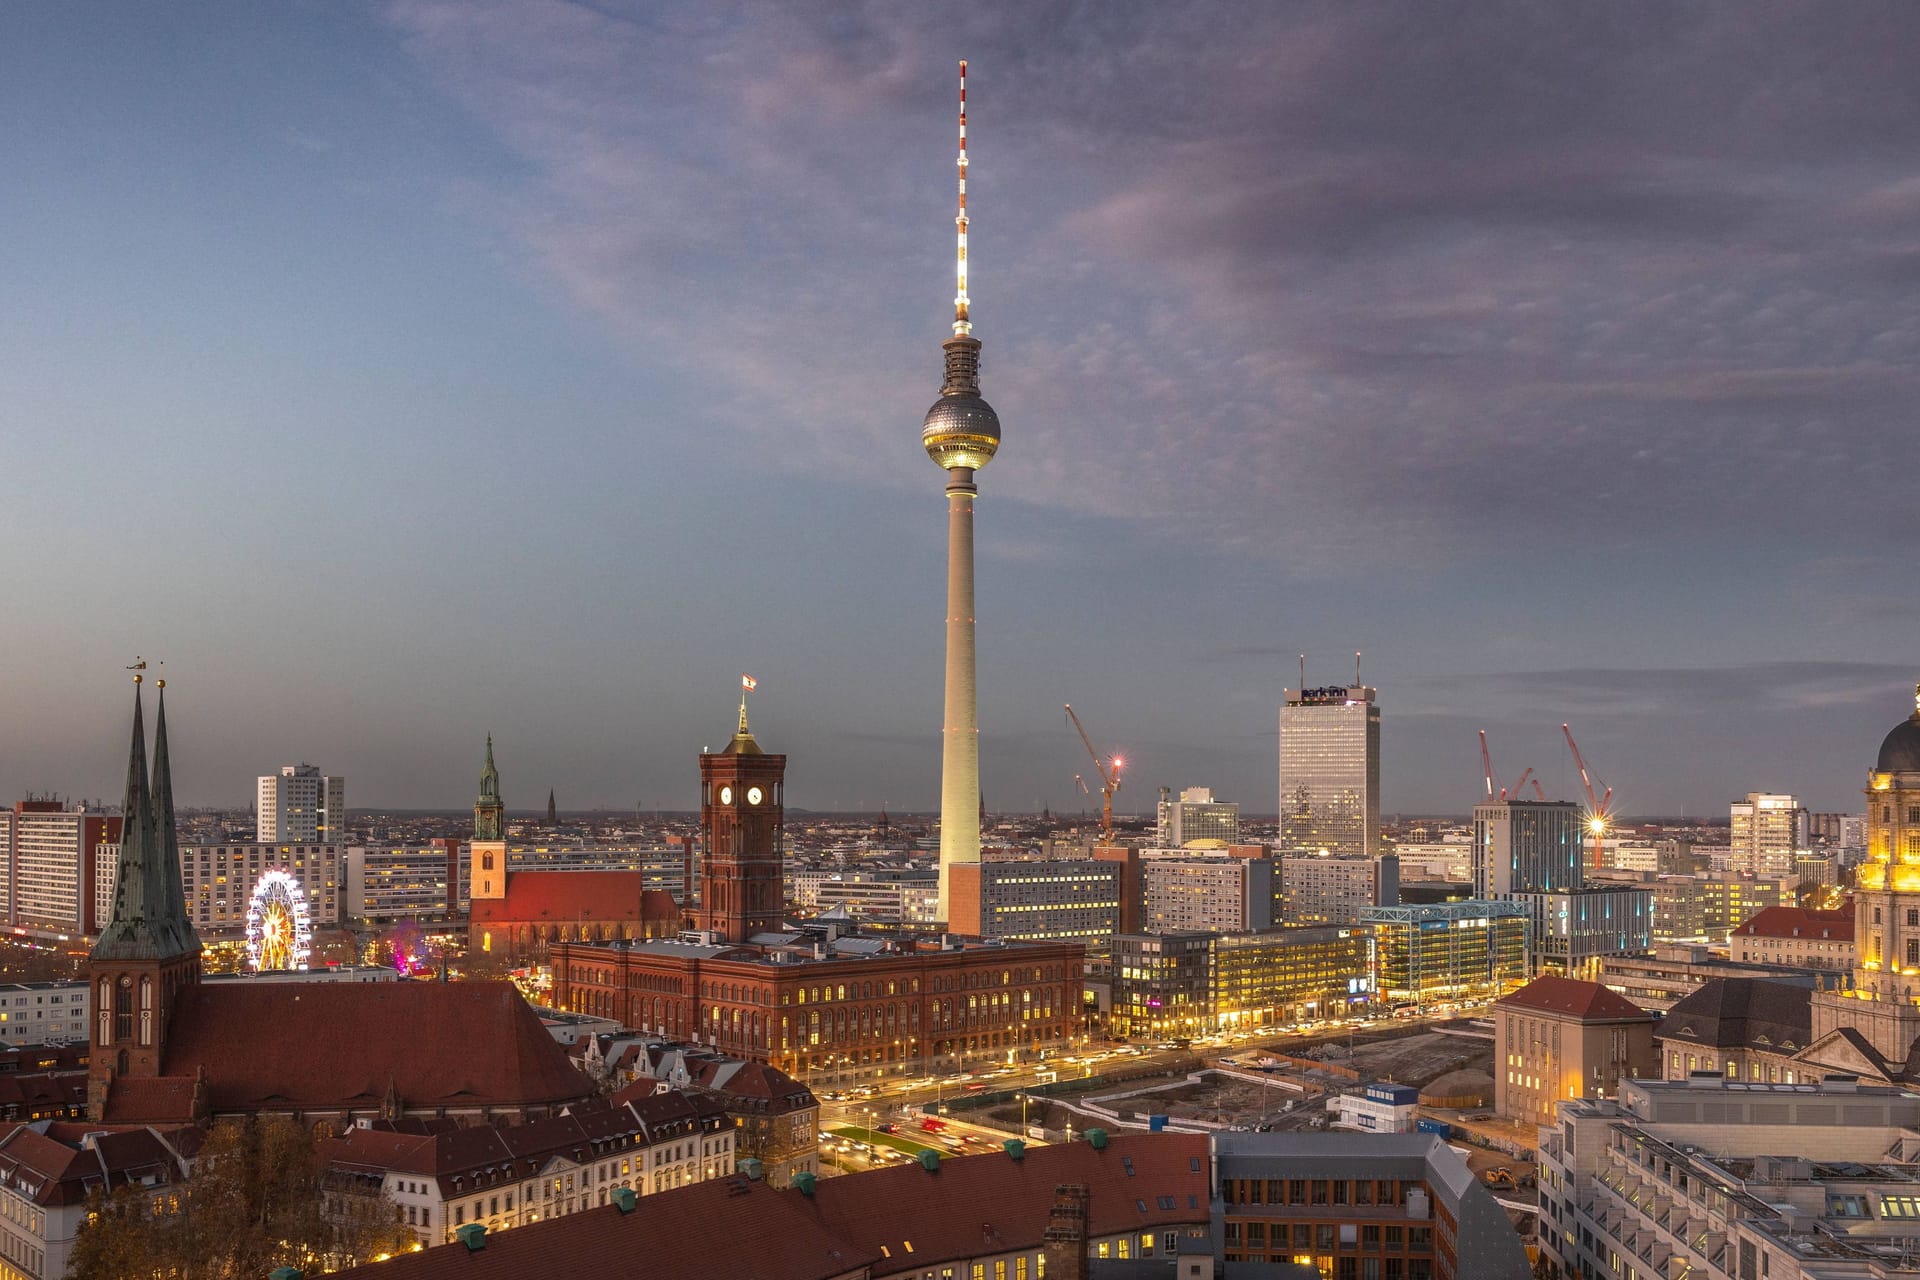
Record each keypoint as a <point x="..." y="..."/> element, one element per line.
<point x="300" y="805"/>
<point x="1768" y="830"/>
<point x="219" y="881"/>
<point x="42" y="1012"/>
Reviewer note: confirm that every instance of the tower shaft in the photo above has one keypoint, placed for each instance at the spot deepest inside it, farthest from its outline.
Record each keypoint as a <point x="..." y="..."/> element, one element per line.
<point x="960" y="751"/>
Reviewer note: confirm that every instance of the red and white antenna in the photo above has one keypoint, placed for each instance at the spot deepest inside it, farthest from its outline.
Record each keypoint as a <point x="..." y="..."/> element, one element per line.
<point x="961" y="325"/>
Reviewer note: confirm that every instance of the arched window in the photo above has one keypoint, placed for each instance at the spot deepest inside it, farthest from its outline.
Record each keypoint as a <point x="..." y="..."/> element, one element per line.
<point x="123" y="1009"/>
<point x="146" y="1012"/>
<point x="103" y="1009"/>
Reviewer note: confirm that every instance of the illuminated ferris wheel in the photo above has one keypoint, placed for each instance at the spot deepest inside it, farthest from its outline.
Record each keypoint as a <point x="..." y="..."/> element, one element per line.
<point x="279" y="926"/>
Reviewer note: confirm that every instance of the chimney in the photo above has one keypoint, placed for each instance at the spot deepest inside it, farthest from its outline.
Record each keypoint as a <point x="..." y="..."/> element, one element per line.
<point x="1065" y="1247"/>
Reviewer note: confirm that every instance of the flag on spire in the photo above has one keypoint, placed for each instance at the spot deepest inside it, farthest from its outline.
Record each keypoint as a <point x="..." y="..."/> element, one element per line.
<point x="748" y="683"/>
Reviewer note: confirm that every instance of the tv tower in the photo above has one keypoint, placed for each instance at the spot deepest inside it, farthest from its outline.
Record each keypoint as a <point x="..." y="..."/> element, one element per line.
<point x="961" y="432"/>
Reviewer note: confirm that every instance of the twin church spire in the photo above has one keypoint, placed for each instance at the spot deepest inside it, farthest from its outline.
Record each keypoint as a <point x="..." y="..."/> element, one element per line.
<point x="149" y="917"/>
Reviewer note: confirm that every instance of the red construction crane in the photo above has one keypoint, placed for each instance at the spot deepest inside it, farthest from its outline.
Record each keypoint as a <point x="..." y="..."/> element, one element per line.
<point x="1109" y="771"/>
<point x="1494" y="790"/>
<point x="1599" y="808"/>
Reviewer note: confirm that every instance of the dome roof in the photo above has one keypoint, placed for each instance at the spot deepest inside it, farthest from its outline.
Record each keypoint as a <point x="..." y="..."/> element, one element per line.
<point x="1900" y="749"/>
<point x="961" y="431"/>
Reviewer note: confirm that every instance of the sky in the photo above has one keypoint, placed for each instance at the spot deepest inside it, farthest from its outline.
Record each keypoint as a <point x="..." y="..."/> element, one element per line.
<point x="401" y="373"/>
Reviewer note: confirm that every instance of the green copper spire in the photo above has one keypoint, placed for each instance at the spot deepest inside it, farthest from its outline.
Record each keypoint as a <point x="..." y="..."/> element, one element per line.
<point x="489" y="776"/>
<point x="489" y="811"/>
<point x="149" y="919"/>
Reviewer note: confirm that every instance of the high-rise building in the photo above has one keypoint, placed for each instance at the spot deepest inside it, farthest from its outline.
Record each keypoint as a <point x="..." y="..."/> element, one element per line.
<point x="961" y="433"/>
<point x="1196" y="816"/>
<point x="1767" y="831"/>
<point x="1317" y="890"/>
<point x="300" y="805"/>
<point x="1524" y="846"/>
<point x="1330" y="771"/>
<point x="51" y="867"/>
<point x="1530" y="852"/>
<point x="1222" y="894"/>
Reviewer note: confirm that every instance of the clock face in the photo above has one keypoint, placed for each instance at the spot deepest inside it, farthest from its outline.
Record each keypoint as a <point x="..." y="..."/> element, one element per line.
<point x="753" y="795"/>
<point x="726" y="795"/>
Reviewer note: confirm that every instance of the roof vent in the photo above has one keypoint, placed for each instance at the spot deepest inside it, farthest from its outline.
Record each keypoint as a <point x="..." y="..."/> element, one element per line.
<point x="1098" y="1137"/>
<point x="930" y="1160"/>
<point x="803" y="1183"/>
<point x="1014" y="1147"/>
<point x="623" y="1199"/>
<point x="473" y="1235"/>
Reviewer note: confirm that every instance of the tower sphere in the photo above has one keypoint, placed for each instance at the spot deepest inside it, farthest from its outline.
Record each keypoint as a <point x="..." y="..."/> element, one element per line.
<point x="961" y="431"/>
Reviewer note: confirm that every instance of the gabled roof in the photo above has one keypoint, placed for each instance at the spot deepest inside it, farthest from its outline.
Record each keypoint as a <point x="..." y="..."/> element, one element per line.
<point x="334" y="1046"/>
<point x="61" y="1167"/>
<point x="1743" y="1012"/>
<point x="1799" y="922"/>
<point x="1579" y="1001"/>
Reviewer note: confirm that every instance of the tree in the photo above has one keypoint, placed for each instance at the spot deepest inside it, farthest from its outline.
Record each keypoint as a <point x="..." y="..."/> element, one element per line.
<point x="254" y="1201"/>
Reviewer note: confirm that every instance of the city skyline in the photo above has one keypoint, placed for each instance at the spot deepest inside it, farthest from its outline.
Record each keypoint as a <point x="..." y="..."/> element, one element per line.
<point x="390" y="375"/>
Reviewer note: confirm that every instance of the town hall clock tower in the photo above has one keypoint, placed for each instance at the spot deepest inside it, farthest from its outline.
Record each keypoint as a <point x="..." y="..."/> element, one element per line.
<point x="742" y="817"/>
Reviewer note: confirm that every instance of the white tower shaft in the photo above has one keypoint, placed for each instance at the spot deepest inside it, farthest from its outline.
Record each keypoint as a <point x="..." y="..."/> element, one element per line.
<point x="960" y="750"/>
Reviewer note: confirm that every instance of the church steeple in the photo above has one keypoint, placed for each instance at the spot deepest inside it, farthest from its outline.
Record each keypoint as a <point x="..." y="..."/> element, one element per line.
<point x="148" y="953"/>
<point x="166" y="864"/>
<point x="149" y="919"/>
<point x="489" y="811"/>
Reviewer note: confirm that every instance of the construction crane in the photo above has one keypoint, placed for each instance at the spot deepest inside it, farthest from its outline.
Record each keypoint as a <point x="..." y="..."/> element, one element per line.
<point x="1599" y="808"/>
<point x="1109" y="771"/>
<point x="1083" y="791"/>
<point x="1494" y="790"/>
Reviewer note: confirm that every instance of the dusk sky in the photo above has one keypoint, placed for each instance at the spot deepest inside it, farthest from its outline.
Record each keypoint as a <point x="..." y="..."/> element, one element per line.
<point x="404" y="373"/>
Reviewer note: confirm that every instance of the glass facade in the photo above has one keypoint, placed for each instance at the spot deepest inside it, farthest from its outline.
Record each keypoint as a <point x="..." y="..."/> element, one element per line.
<point x="1452" y="949"/>
<point x="1290" y="975"/>
<point x="1330" y="771"/>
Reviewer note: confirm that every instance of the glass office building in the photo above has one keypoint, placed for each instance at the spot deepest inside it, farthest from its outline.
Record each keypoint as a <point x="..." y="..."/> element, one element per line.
<point x="1330" y="771"/>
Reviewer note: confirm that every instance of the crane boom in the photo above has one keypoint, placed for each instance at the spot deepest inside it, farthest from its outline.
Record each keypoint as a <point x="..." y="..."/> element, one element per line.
<point x="1486" y="762"/>
<point x="1109" y="774"/>
<point x="1599" y="808"/>
<point x="1520" y="786"/>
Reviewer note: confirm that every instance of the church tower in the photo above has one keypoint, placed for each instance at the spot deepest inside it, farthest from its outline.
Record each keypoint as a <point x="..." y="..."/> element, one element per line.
<point x="1884" y="1005"/>
<point x="487" y="853"/>
<point x="742" y="814"/>
<point x="148" y="953"/>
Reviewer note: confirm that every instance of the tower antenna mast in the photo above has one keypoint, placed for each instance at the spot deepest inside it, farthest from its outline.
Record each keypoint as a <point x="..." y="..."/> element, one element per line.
<point x="961" y="324"/>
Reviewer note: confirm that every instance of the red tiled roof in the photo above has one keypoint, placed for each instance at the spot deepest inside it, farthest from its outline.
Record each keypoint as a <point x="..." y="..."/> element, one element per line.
<point x="152" y="1100"/>
<point x="329" y="1046"/>
<point x="736" y="1229"/>
<point x="642" y="1087"/>
<point x="575" y="896"/>
<point x="992" y="1203"/>
<point x="1800" y="922"/>
<point x="1586" y="1001"/>
<point x="53" y="1168"/>
<point x="724" y="1229"/>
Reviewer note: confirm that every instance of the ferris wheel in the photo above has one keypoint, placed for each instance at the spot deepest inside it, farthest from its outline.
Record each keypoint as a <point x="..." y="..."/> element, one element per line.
<point x="279" y="926"/>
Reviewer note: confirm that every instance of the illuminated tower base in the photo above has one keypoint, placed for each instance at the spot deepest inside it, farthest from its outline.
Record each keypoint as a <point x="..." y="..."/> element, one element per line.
<point x="960" y="749"/>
